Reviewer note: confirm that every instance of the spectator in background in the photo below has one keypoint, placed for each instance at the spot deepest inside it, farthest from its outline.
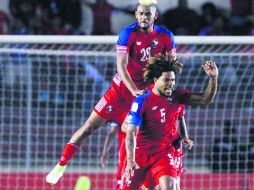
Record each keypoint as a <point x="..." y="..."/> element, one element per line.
<point x="208" y="14"/>
<point x="224" y="156"/>
<point x="4" y="23"/>
<point x="101" y="17"/>
<point x="70" y="14"/>
<point x="212" y="22"/>
<point x="23" y="10"/>
<point x="182" y="20"/>
<point x="86" y="26"/>
<point x="240" y="24"/>
<point x="59" y="17"/>
<point x="215" y="29"/>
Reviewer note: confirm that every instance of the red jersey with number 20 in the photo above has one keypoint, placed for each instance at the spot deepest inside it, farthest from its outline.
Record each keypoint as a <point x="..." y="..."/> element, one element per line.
<point x="140" y="46"/>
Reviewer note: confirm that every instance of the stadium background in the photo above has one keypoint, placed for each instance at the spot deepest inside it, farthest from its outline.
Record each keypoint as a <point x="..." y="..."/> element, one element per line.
<point x="48" y="90"/>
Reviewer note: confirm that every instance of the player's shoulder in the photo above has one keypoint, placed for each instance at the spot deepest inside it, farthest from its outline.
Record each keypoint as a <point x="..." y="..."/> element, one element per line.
<point x="125" y="34"/>
<point x="163" y="30"/>
<point x="129" y="29"/>
<point x="181" y="94"/>
<point x="181" y="91"/>
<point x="141" y="98"/>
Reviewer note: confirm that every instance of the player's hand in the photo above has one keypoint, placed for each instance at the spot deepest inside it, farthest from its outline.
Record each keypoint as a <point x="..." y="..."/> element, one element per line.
<point x="189" y="142"/>
<point x="130" y="167"/>
<point x="103" y="159"/>
<point x="210" y="69"/>
<point x="137" y="92"/>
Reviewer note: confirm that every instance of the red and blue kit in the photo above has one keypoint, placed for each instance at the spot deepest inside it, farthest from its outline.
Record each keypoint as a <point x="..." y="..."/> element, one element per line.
<point x="139" y="46"/>
<point x="157" y="117"/>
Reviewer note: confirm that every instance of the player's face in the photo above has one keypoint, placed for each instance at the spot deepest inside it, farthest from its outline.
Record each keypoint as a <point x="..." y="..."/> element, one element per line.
<point x="146" y="15"/>
<point x="165" y="83"/>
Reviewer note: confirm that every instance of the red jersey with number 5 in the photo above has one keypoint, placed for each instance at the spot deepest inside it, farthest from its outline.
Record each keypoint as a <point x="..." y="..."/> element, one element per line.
<point x="157" y="117"/>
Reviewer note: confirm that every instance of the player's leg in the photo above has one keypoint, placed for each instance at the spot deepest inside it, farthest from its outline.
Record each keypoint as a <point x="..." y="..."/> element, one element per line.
<point x="150" y="183"/>
<point x="167" y="182"/>
<point x="93" y="122"/>
<point x="164" y="170"/>
<point x="177" y="183"/>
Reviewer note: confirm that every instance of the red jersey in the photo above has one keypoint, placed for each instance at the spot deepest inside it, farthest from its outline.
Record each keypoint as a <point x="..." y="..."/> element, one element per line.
<point x="157" y="117"/>
<point x="140" y="46"/>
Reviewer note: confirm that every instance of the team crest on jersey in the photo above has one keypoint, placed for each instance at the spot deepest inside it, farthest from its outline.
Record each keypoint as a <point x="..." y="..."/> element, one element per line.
<point x="155" y="42"/>
<point x="109" y="108"/>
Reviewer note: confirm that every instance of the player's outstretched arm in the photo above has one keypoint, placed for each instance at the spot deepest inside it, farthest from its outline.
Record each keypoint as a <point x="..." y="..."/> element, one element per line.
<point x="122" y="60"/>
<point x="131" y="134"/>
<point x="104" y="155"/>
<point x="208" y="95"/>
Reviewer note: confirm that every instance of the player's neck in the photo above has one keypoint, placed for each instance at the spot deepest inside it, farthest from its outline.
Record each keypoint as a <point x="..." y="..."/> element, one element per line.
<point x="149" y="30"/>
<point x="156" y="91"/>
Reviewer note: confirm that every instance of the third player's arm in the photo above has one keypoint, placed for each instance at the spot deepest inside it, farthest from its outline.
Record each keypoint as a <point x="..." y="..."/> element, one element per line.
<point x="182" y="127"/>
<point x="184" y="132"/>
<point x="106" y="146"/>
<point x="122" y="59"/>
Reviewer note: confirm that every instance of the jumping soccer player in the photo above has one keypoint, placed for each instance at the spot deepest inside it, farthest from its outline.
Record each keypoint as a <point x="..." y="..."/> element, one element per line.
<point x="135" y="45"/>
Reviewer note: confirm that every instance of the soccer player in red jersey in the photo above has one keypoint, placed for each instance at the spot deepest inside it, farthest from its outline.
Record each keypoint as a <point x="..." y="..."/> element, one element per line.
<point x="152" y="124"/>
<point x="135" y="45"/>
<point x="181" y="137"/>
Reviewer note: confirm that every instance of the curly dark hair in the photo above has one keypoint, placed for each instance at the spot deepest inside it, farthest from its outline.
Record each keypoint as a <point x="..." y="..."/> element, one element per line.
<point x="160" y="64"/>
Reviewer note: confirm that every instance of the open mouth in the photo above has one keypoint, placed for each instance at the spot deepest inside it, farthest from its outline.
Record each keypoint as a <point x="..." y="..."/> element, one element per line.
<point x="144" y="22"/>
<point x="168" y="90"/>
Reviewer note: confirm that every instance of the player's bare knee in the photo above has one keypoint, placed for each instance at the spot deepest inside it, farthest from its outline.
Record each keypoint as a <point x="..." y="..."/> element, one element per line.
<point x="168" y="183"/>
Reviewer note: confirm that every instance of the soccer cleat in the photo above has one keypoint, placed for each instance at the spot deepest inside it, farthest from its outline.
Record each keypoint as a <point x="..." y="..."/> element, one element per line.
<point x="53" y="177"/>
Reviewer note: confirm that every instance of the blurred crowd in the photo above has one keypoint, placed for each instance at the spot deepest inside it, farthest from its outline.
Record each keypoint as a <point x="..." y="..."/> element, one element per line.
<point x="108" y="17"/>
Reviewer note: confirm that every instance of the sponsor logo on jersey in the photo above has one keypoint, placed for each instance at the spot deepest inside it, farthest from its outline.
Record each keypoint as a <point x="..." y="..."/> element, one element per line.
<point x="154" y="107"/>
<point x="138" y="43"/>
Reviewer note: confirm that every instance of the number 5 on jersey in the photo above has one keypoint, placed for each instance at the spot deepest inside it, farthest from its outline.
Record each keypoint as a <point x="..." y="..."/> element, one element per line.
<point x="163" y="115"/>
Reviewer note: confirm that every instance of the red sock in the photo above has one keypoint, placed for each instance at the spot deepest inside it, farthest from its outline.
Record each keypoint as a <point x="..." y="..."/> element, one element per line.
<point x="68" y="152"/>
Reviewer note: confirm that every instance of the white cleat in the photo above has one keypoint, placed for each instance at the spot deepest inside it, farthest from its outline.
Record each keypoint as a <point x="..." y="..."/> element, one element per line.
<point x="53" y="177"/>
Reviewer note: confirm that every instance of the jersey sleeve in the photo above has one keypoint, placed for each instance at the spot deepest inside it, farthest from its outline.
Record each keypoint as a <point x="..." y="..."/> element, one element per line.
<point x="183" y="96"/>
<point x="123" y="42"/>
<point x="171" y="47"/>
<point x="135" y="114"/>
<point x="181" y="111"/>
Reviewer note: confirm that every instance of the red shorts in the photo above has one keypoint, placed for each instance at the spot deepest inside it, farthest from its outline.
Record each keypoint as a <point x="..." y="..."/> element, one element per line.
<point x="151" y="181"/>
<point x="114" y="105"/>
<point x="157" y="164"/>
<point x="179" y="155"/>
